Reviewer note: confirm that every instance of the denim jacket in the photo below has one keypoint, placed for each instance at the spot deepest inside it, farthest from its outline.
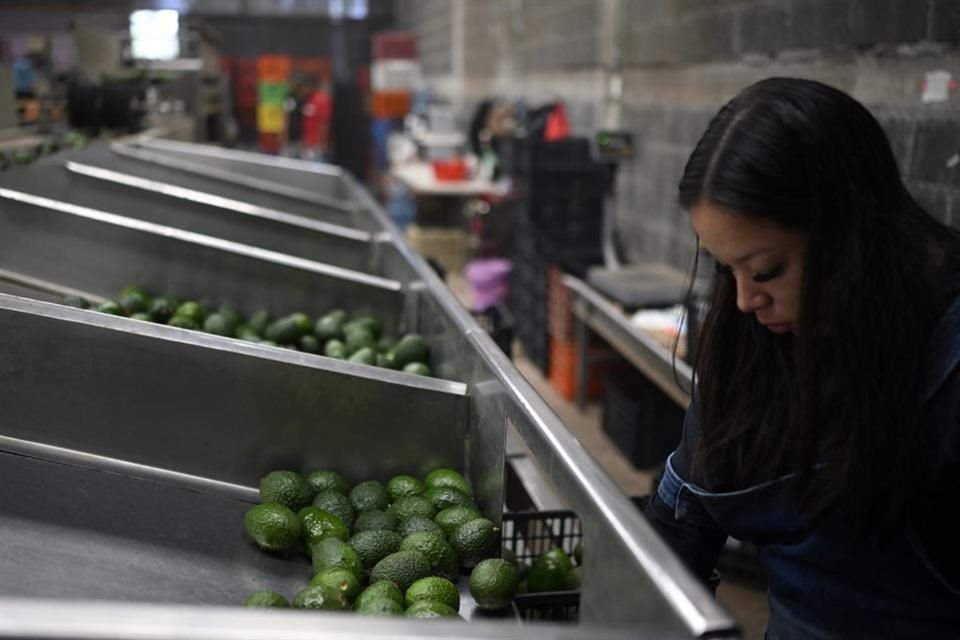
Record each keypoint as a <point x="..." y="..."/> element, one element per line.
<point x="821" y="585"/>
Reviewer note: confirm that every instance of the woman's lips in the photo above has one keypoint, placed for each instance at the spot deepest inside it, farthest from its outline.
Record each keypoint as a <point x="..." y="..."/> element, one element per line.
<point x="778" y="328"/>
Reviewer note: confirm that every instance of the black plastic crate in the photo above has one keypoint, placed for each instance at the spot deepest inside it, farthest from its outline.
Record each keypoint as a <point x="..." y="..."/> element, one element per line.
<point x="536" y="344"/>
<point x="530" y="534"/>
<point x="587" y="181"/>
<point x="569" y="222"/>
<point x="520" y="157"/>
<point x="640" y="419"/>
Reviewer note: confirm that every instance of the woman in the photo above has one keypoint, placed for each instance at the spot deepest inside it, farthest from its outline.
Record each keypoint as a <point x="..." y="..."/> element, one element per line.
<point x="825" y="426"/>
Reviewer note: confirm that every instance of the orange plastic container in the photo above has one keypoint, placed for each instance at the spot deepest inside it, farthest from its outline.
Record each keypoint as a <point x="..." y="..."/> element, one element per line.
<point x="563" y="368"/>
<point x="391" y="104"/>
<point x="450" y="170"/>
<point x="273" y="68"/>
<point x="559" y="306"/>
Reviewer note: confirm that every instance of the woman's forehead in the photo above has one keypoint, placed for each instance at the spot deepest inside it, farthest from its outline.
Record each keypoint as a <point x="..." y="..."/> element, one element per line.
<point x="732" y="237"/>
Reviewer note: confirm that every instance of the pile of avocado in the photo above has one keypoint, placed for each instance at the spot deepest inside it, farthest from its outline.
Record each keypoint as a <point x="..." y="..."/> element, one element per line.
<point x="381" y="549"/>
<point x="336" y="335"/>
<point x="25" y="156"/>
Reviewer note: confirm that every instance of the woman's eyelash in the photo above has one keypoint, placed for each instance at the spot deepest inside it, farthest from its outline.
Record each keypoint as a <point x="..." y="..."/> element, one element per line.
<point x="769" y="275"/>
<point x="760" y="278"/>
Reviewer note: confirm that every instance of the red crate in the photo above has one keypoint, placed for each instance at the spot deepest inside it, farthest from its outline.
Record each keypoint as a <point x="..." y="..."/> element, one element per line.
<point x="559" y="306"/>
<point x="563" y="367"/>
<point x="270" y="142"/>
<point x="394" y="45"/>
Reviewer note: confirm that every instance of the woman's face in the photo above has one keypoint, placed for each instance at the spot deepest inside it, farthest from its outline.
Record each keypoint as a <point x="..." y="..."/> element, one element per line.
<point x="765" y="259"/>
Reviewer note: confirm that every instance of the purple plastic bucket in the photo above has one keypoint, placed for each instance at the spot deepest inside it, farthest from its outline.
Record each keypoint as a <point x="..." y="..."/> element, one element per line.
<point x="489" y="280"/>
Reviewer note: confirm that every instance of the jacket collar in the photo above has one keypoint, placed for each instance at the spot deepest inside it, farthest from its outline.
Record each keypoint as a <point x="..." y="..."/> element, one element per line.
<point x="943" y="350"/>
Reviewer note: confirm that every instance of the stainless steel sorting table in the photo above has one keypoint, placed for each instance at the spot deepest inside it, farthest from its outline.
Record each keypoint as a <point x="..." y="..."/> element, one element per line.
<point x="133" y="447"/>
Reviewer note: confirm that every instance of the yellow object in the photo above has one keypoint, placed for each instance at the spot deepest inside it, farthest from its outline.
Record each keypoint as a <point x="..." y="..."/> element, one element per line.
<point x="271" y="118"/>
<point x="449" y="247"/>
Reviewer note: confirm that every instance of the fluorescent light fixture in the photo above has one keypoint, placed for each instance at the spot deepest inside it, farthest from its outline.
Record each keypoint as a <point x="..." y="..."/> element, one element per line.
<point x="155" y="35"/>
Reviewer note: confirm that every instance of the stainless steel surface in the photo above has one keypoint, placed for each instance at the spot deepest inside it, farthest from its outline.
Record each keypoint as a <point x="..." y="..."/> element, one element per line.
<point x="630" y="578"/>
<point x="32" y="619"/>
<point x="645" y="353"/>
<point x="312" y="177"/>
<point x="213" y="407"/>
<point x="99" y="252"/>
<point x="143" y="199"/>
<point x="101" y="156"/>
<point x="537" y="486"/>
<point x="256" y="177"/>
<point x="19" y="284"/>
<point x="72" y="530"/>
<point x="201" y="197"/>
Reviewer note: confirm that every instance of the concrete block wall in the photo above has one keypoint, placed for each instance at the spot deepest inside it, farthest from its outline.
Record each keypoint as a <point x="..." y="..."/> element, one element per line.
<point x="682" y="59"/>
<point x="430" y="20"/>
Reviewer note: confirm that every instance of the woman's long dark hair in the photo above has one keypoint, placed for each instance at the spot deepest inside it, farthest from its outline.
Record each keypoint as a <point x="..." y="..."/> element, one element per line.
<point x="879" y="273"/>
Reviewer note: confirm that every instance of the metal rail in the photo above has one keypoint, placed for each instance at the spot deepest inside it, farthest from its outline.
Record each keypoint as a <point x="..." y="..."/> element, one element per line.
<point x="591" y="310"/>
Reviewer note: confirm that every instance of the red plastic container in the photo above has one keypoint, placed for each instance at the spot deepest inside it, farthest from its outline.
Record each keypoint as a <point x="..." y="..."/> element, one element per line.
<point x="450" y="170"/>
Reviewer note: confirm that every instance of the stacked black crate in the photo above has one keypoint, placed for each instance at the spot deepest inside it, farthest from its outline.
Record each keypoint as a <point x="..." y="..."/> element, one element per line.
<point x="558" y="221"/>
<point x="528" y="291"/>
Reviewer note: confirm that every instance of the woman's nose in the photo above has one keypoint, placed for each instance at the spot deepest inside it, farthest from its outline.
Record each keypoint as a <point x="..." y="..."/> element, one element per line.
<point x="750" y="299"/>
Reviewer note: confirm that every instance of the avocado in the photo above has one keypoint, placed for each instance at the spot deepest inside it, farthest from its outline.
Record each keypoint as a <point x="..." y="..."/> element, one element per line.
<point x="273" y="527"/>
<point x="76" y="301"/>
<point x="219" y="324"/>
<point x="337" y="504"/>
<point x="411" y="348"/>
<point x="433" y="545"/>
<point x="374" y="546"/>
<point x="382" y="589"/>
<point x="475" y="541"/>
<point x="493" y="583"/>
<point x="133" y="301"/>
<point x="259" y="321"/>
<point x="284" y="331"/>
<point x="358" y="338"/>
<point x="375" y="519"/>
<point x="371" y="323"/>
<point x="433" y="589"/>
<point x="112" y="308"/>
<point x="183" y="322"/>
<point x="366" y="355"/>
<point x="417" y="368"/>
<point x="552" y="571"/>
<point x="288" y="488"/>
<point x="192" y="310"/>
<point x="335" y="349"/>
<point x="403" y="567"/>
<point x="321" y="596"/>
<point x="369" y="495"/>
<point x="329" y="327"/>
<point x="161" y="309"/>
<point x="332" y="553"/>
<point x="309" y="344"/>
<point x="318" y="524"/>
<point x="340" y="579"/>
